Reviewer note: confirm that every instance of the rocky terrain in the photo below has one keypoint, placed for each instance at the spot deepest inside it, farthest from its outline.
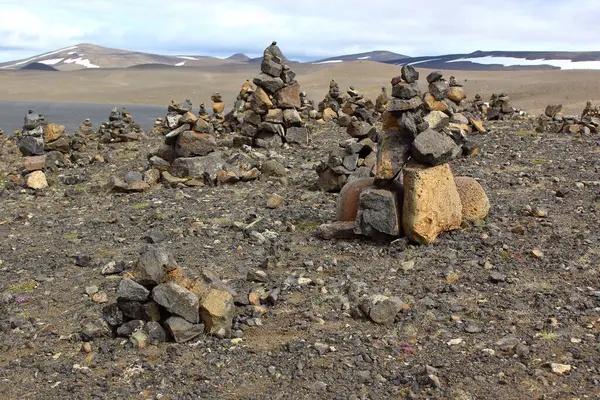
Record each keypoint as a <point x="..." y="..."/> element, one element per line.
<point x="506" y="308"/>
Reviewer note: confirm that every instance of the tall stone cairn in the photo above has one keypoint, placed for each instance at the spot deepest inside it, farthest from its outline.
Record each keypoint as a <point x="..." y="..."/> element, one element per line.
<point x="414" y="192"/>
<point x="271" y="115"/>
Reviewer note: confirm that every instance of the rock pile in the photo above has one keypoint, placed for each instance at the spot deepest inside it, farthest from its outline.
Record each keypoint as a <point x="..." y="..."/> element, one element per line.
<point x="420" y="198"/>
<point x="330" y="106"/>
<point x="553" y="120"/>
<point x="190" y="156"/>
<point x="43" y="146"/>
<point x="341" y="108"/>
<point x="159" y="302"/>
<point x="218" y="105"/>
<point x="307" y="107"/>
<point x="271" y="115"/>
<point x="382" y="101"/>
<point x="500" y="108"/>
<point x="120" y="127"/>
<point x="31" y="142"/>
<point x="449" y="109"/>
<point x="349" y="161"/>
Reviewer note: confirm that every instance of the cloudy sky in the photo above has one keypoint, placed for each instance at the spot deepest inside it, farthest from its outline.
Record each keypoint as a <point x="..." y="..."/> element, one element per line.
<point x="305" y="29"/>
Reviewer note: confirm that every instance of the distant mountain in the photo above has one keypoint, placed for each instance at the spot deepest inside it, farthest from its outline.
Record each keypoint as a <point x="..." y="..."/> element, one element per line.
<point x="38" y="67"/>
<point x="505" y="60"/>
<point x="89" y="56"/>
<point x="241" y="57"/>
<point x="377" y="55"/>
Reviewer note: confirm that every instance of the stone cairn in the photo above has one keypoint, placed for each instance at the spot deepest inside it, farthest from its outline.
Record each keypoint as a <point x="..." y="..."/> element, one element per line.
<point x="382" y="101"/>
<point x="45" y="146"/>
<point x="189" y="155"/>
<point x="158" y="302"/>
<point x="553" y="120"/>
<point x="271" y="115"/>
<point x="418" y="199"/>
<point x="120" y="127"/>
<point x="307" y="107"/>
<point x="499" y="108"/>
<point x="345" y="108"/>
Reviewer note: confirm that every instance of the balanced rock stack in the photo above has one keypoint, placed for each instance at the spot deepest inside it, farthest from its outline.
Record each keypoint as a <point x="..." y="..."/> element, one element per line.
<point x="357" y="106"/>
<point x="120" y="127"/>
<point x="382" y="101"/>
<point x="349" y="161"/>
<point x="329" y="108"/>
<point x="271" y="115"/>
<point x="38" y="136"/>
<point x="159" y="302"/>
<point x="419" y="199"/>
<point x="553" y="120"/>
<point x="189" y="155"/>
<point x="31" y="142"/>
<point x="307" y="106"/>
<point x="500" y="108"/>
<point x="218" y="105"/>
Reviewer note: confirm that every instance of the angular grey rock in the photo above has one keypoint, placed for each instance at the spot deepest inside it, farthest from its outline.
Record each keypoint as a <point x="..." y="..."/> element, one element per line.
<point x="267" y="140"/>
<point x="434" y="76"/>
<point x="183" y="331"/>
<point x="297" y="135"/>
<point x="153" y="264"/>
<point x="149" y="311"/>
<point x="269" y="83"/>
<point x="155" y="332"/>
<point x="434" y="148"/>
<point x="31" y="146"/>
<point x="205" y="167"/>
<point x="271" y="67"/>
<point x="407" y="122"/>
<point x="439" y="89"/>
<point x="202" y="126"/>
<point x="32" y="120"/>
<point x="178" y="300"/>
<point x="158" y="163"/>
<point x="113" y="315"/>
<point x="406" y="91"/>
<point x="128" y="328"/>
<point x="173" y="120"/>
<point x="379" y="212"/>
<point x="133" y="176"/>
<point x="409" y="73"/>
<point x="171" y="137"/>
<point x="193" y="144"/>
<point x="251" y="117"/>
<point x="131" y="290"/>
<point x="384" y="312"/>
<point x="398" y="105"/>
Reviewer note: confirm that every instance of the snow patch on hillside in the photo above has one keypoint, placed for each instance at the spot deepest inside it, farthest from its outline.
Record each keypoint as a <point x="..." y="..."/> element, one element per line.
<point x="329" y="62"/>
<point x="81" y="61"/>
<point x="38" y="57"/>
<point x="52" y="61"/>
<point x="188" y="58"/>
<point x="514" y="61"/>
<point x="364" y="58"/>
<point x="181" y="64"/>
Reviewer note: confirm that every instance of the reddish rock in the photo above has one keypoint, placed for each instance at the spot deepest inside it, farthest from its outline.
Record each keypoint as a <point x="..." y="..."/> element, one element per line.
<point x="347" y="205"/>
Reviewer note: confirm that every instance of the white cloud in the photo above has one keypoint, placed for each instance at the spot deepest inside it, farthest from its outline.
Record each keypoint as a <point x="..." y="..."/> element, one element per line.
<point x="308" y="29"/>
